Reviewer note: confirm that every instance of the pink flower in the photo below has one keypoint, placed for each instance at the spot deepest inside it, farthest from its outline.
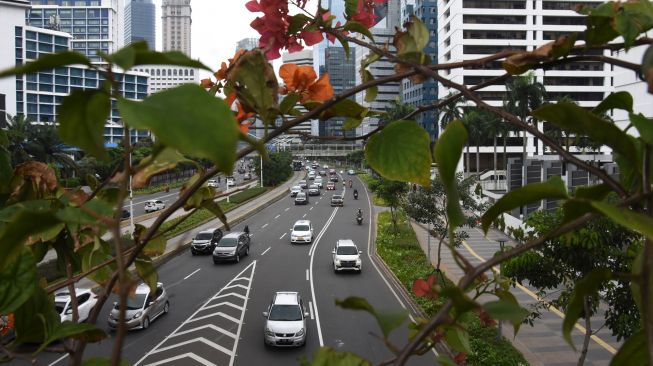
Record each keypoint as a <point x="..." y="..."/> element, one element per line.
<point x="365" y="12"/>
<point x="312" y="37"/>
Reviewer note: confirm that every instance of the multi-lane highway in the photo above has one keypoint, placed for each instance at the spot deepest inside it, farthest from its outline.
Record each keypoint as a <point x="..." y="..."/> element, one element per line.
<point x="215" y="313"/>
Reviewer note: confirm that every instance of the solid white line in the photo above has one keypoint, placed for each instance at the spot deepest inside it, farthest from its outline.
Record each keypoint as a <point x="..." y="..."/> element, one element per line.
<point x="310" y="308"/>
<point x="307" y="276"/>
<point x="242" y="317"/>
<point x="263" y="227"/>
<point x="197" y="270"/>
<point x="284" y="234"/>
<point x="276" y="217"/>
<point x="58" y="360"/>
<point x="266" y="251"/>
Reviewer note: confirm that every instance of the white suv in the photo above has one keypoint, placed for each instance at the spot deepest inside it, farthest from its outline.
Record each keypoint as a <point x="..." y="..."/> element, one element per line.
<point x="346" y="256"/>
<point x="285" y="321"/>
<point x="86" y="301"/>
<point x="154" y="205"/>
<point x="213" y="183"/>
<point x="302" y="232"/>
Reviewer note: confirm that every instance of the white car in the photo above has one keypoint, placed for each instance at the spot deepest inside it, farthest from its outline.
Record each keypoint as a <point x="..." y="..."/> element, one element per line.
<point x="346" y="256"/>
<point x="318" y="182"/>
<point x="294" y="190"/>
<point x="285" y="321"/>
<point x="154" y="205"/>
<point x="86" y="301"/>
<point x="302" y="232"/>
<point x="351" y="172"/>
<point x="231" y="182"/>
<point x="213" y="183"/>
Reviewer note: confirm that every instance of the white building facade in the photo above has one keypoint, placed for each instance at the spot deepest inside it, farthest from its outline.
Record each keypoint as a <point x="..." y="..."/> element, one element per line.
<point x="163" y="77"/>
<point x="176" y="22"/>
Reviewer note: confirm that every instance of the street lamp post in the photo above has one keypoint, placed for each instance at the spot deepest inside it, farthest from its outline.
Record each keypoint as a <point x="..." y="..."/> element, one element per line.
<point x="502" y="243"/>
<point x="131" y="200"/>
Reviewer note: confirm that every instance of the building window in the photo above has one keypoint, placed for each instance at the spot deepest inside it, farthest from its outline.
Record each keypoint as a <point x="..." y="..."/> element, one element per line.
<point x="494" y="19"/>
<point x="563" y="20"/>
<point x="494" y="4"/>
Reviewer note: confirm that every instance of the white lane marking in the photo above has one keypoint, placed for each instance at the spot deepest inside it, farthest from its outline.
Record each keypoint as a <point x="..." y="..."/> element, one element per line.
<point x="316" y="203"/>
<point x="307" y="276"/>
<point x="304" y="216"/>
<point x="276" y="217"/>
<point x="284" y="234"/>
<point x="287" y="208"/>
<point x="58" y="360"/>
<point x="207" y="326"/>
<point x="195" y="271"/>
<point x="263" y="227"/>
<point x="189" y="319"/>
<point x="266" y="251"/>
<point x="180" y="357"/>
<point x="310" y="209"/>
<point x="310" y="308"/>
<point x="200" y="340"/>
<point x="312" y="255"/>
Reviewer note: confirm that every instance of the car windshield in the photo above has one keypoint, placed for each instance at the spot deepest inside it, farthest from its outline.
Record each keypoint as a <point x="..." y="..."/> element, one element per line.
<point x="134" y="303"/>
<point x="296" y="188"/>
<point x="301" y="228"/>
<point x="285" y="313"/>
<point x="228" y="242"/>
<point x="59" y="306"/>
<point x="300" y="195"/>
<point x="313" y="186"/>
<point x="347" y="250"/>
<point x="204" y="236"/>
<point x="337" y="197"/>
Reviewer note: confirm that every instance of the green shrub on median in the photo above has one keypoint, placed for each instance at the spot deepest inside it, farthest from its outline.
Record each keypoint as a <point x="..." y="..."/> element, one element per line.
<point x="405" y="258"/>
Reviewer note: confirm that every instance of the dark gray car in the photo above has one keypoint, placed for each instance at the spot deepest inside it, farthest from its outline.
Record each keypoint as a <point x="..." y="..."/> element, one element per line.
<point x="232" y="247"/>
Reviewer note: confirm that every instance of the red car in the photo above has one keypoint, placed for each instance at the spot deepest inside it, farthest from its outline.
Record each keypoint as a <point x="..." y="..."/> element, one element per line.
<point x="331" y="186"/>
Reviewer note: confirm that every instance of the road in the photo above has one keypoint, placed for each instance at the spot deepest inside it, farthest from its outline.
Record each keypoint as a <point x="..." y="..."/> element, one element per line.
<point x="215" y="316"/>
<point x="171" y="196"/>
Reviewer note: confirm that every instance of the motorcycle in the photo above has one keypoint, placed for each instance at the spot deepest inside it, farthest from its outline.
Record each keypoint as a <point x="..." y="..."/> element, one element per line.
<point x="359" y="220"/>
<point x="355" y="195"/>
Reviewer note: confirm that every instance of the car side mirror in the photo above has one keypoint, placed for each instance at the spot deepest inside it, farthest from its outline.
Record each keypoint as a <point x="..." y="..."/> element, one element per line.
<point x="333" y="251"/>
<point x="360" y="252"/>
<point x="265" y="314"/>
<point x="306" y="314"/>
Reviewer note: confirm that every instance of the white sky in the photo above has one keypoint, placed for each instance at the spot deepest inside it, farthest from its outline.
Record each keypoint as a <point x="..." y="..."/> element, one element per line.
<point x="217" y="26"/>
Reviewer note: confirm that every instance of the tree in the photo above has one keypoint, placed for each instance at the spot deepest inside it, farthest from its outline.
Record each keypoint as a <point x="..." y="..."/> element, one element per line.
<point x="391" y="192"/>
<point x="276" y="169"/>
<point x="17" y="130"/>
<point x="356" y="157"/>
<point x="395" y="111"/>
<point x="428" y="205"/>
<point x="451" y="111"/>
<point x="495" y="127"/>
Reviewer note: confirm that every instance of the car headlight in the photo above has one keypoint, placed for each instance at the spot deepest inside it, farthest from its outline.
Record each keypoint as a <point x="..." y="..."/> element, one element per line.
<point x="358" y="261"/>
<point x="269" y="332"/>
<point x="337" y="262"/>
<point x="137" y="315"/>
<point x="300" y="333"/>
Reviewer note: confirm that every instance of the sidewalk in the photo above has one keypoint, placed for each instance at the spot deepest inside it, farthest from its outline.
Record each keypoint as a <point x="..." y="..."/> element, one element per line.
<point x="542" y="343"/>
<point x="234" y="216"/>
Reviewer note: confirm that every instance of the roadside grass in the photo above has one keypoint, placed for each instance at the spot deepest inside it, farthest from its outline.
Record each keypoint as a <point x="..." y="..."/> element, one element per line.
<point x="158" y="188"/>
<point x="368" y="180"/>
<point x="405" y="258"/>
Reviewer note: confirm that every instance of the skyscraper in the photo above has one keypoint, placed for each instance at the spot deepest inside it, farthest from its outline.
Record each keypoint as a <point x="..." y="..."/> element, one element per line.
<point x="96" y="25"/>
<point x="247" y="44"/>
<point x="140" y="22"/>
<point x="176" y="20"/>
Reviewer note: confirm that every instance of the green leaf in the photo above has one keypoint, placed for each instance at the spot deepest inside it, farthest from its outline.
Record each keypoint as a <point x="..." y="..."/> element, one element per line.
<point x="146" y="271"/>
<point x="350" y="8"/>
<point x="595" y="192"/>
<point x="138" y="53"/>
<point x="256" y="85"/>
<point x="507" y="310"/>
<point x="620" y="100"/>
<point x="47" y="62"/>
<point x="401" y="151"/>
<point x="370" y="59"/>
<point x="126" y="56"/>
<point x="82" y="331"/>
<point x="215" y="209"/>
<point x="633" y="351"/>
<point x="353" y="26"/>
<point x="647" y="68"/>
<point x="553" y="188"/>
<point x="586" y="287"/>
<point x="626" y="218"/>
<point x="36" y="318"/>
<point x="461" y="302"/>
<point x="17" y="282"/>
<point x="326" y="356"/>
<point x="161" y="160"/>
<point x="458" y="339"/>
<point x="23" y="225"/>
<point x="82" y="117"/>
<point x="574" y="118"/>
<point x="387" y="321"/>
<point x="447" y="152"/>
<point x="93" y="256"/>
<point x="644" y="127"/>
<point x="345" y="108"/>
<point x="75" y="216"/>
<point x="351" y="123"/>
<point x="370" y="93"/>
<point x="156" y="246"/>
<point x="188" y="119"/>
<point x="297" y="23"/>
<point x="6" y="172"/>
<point x="289" y="102"/>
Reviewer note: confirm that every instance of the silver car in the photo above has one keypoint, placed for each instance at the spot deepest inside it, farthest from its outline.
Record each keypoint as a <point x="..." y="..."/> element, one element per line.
<point x="285" y="321"/>
<point x="142" y="308"/>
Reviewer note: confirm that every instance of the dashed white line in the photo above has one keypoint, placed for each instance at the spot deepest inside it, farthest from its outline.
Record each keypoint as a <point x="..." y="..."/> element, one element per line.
<point x="276" y="217"/>
<point x="304" y="215"/>
<point x="61" y="359"/>
<point x="195" y="271"/>
<point x="263" y="227"/>
<point x="310" y="308"/>
<point x="310" y="209"/>
<point x="287" y="208"/>
<point x="266" y="251"/>
<point x="307" y="276"/>
<point x="284" y="234"/>
<point x="316" y="203"/>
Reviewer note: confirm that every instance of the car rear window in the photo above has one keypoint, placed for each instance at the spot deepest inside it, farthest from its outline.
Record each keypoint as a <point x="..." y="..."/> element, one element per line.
<point x="337" y="197"/>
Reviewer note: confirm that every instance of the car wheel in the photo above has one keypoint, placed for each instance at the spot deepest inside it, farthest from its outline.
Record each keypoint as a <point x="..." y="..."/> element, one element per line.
<point x="335" y="270"/>
<point x="146" y="323"/>
<point x="192" y="252"/>
<point x="247" y="251"/>
<point x="237" y="258"/>
<point x="166" y="307"/>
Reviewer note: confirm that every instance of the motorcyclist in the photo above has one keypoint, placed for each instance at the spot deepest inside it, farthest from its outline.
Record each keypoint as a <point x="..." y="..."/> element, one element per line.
<point x="350" y="183"/>
<point x="355" y="194"/>
<point x="359" y="213"/>
<point x="246" y="230"/>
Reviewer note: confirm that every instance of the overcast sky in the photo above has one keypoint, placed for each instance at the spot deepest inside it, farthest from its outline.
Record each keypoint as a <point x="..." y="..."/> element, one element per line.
<point x="217" y="26"/>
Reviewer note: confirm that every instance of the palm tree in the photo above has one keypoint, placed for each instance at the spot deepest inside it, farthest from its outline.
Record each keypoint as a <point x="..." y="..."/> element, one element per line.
<point x="474" y="123"/>
<point x="17" y="130"/>
<point x="523" y="95"/>
<point x="451" y="111"/>
<point x="494" y="126"/>
<point x="43" y="144"/>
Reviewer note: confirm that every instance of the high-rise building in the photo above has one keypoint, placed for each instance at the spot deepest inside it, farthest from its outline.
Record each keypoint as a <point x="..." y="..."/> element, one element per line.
<point x="337" y="8"/>
<point x="247" y="44"/>
<point x="96" y="25"/>
<point x="342" y="74"/>
<point x="176" y="20"/>
<point x="164" y="77"/>
<point x="140" y="22"/>
<point x="471" y="29"/>
<point x="427" y="92"/>
<point x="304" y="58"/>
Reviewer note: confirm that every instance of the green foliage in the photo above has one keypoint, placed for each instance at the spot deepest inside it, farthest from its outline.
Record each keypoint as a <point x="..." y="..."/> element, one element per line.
<point x="447" y="153"/>
<point x="137" y="53"/>
<point x="633" y="352"/>
<point x="256" y="85"/>
<point x="82" y="118"/>
<point x="276" y="169"/>
<point x="386" y="321"/>
<point x="391" y="194"/>
<point x="326" y="356"/>
<point x="48" y="62"/>
<point x="17" y="282"/>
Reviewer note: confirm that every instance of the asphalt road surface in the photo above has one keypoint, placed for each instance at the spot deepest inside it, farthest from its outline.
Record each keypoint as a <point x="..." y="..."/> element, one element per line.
<point x="215" y="310"/>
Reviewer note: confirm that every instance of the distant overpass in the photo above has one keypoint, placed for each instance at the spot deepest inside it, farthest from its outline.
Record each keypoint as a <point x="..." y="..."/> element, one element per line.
<point x="320" y="150"/>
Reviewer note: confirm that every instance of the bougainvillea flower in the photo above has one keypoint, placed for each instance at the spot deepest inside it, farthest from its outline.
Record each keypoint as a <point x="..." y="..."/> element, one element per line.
<point x="312" y="37"/>
<point x="241" y="115"/>
<point x="206" y="83"/>
<point x="302" y="80"/>
<point x="6" y="324"/>
<point x="224" y="68"/>
<point x="365" y="12"/>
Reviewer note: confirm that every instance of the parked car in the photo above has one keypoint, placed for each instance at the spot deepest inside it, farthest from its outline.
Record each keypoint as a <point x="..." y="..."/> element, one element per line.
<point x="213" y="183"/>
<point x="330" y="186"/>
<point x="142" y="308"/>
<point x="247" y="176"/>
<point x="351" y="172"/>
<point x="313" y="190"/>
<point x="303" y="184"/>
<point x="154" y="205"/>
<point x="294" y="190"/>
<point x="346" y="256"/>
<point x="232" y="247"/>
<point x="205" y="241"/>
<point x="336" y="200"/>
<point x="285" y="321"/>
<point x="86" y="301"/>
<point x="301" y="198"/>
<point x="302" y="232"/>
